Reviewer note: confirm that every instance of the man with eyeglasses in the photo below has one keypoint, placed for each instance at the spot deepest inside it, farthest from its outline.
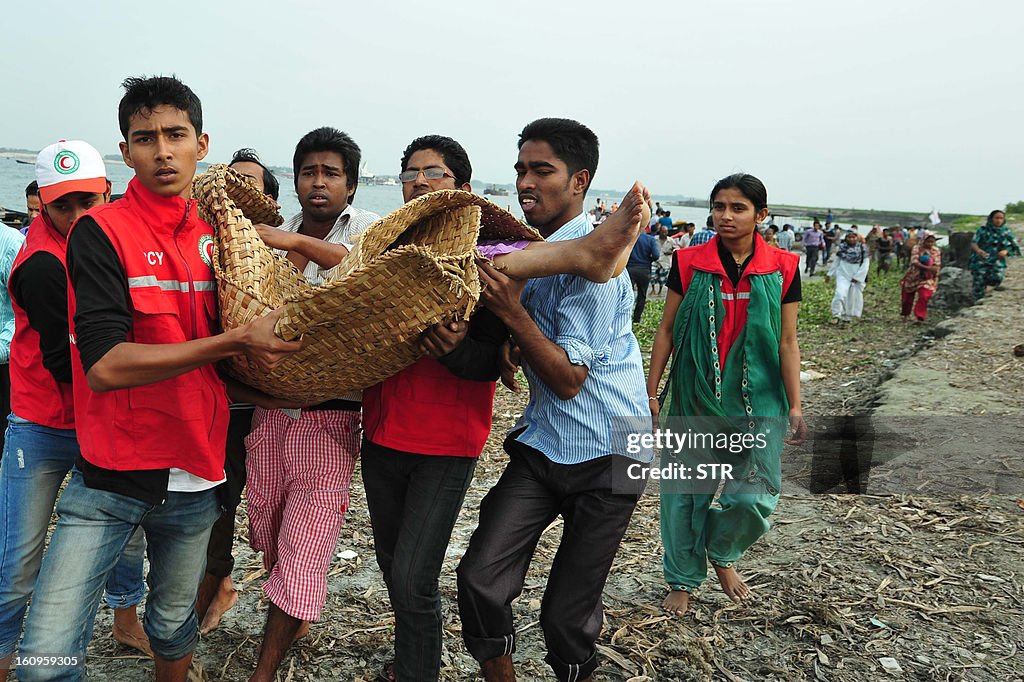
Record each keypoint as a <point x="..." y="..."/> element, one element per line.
<point x="424" y="429"/>
<point x="300" y="461"/>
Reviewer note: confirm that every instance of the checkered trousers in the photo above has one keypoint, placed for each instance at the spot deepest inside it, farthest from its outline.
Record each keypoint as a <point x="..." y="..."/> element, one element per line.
<point x="297" y="491"/>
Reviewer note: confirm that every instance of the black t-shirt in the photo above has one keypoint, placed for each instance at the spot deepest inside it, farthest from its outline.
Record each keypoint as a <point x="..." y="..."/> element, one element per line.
<point x="40" y="287"/>
<point x="884" y="245"/>
<point x="793" y="294"/>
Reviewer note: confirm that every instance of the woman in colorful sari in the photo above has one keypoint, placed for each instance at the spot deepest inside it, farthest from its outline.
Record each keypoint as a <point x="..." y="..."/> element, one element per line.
<point x="922" y="278"/>
<point x="730" y="322"/>
<point x="992" y="243"/>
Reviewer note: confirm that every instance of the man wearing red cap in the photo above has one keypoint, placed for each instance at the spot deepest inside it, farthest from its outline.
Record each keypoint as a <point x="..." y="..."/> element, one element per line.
<point x="43" y="444"/>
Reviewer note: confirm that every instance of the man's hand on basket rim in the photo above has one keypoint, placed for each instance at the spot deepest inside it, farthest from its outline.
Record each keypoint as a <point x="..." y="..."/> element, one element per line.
<point x="262" y="346"/>
<point x="274" y="237"/>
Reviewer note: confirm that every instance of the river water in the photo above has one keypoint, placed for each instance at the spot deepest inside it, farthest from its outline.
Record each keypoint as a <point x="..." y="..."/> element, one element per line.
<point x="381" y="199"/>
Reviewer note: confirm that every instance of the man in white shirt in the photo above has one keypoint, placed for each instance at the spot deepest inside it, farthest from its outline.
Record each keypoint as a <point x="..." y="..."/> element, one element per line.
<point x="300" y="462"/>
<point x="786" y="237"/>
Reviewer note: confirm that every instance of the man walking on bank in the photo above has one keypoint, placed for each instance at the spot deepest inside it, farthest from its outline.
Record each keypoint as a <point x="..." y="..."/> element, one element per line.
<point x="583" y="365"/>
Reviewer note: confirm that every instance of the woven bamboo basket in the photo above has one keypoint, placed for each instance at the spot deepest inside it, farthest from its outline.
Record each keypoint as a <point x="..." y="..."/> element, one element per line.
<point x="410" y="270"/>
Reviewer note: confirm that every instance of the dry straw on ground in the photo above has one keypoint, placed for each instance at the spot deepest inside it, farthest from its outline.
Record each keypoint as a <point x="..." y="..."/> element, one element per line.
<point x="846" y="588"/>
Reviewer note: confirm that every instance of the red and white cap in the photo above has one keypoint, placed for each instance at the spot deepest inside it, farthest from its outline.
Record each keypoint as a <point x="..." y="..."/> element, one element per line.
<point x="69" y="166"/>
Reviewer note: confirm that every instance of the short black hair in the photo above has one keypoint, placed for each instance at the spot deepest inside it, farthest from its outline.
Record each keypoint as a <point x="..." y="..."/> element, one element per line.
<point x="145" y="94"/>
<point x="328" y="139"/>
<point x="454" y="155"/>
<point x="749" y="186"/>
<point x="571" y="141"/>
<point x="271" y="187"/>
<point x="32" y="190"/>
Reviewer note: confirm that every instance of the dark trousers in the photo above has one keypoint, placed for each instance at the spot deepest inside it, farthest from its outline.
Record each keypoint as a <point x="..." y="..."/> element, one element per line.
<point x="812" y="259"/>
<point x="5" y="400"/>
<point x="826" y="251"/>
<point x="640" y="276"/>
<point x="219" y="561"/>
<point x="531" y="493"/>
<point x="414" y="501"/>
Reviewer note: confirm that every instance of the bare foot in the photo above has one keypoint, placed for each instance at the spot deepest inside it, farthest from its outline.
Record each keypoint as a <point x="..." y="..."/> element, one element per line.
<point x="677" y="602"/>
<point x="732" y="583"/>
<point x="302" y="632"/>
<point x="606" y="249"/>
<point x="130" y="633"/>
<point x="224" y="598"/>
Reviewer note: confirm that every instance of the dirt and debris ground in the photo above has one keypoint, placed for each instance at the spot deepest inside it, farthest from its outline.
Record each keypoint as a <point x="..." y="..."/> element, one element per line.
<point x="902" y="585"/>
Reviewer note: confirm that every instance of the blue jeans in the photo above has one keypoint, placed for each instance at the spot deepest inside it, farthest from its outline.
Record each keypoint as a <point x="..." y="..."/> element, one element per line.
<point x="36" y="459"/>
<point x="93" y="529"/>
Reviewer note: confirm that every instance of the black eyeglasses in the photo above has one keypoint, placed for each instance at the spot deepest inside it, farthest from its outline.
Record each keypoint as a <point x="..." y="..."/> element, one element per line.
<point x="432" y="173"/>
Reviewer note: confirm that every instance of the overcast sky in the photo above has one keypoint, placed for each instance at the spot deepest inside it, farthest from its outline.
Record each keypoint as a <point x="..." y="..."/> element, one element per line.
<point x="902" y="104"/>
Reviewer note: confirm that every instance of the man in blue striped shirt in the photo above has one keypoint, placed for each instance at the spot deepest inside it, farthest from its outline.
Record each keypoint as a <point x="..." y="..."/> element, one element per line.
<point x="584" y="369"/>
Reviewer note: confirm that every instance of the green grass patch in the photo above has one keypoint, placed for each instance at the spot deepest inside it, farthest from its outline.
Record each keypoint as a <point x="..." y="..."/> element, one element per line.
<point x="649" y="322"/>
<point x="883" y="290"/>
<point x="967" y="223"/>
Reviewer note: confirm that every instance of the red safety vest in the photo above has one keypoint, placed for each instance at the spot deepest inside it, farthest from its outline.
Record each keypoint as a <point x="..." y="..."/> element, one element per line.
<point x="766" y="259"/>
<point x="166" y="251"/>
<point x="35" y="394"/>
<point x="427" y="410"/>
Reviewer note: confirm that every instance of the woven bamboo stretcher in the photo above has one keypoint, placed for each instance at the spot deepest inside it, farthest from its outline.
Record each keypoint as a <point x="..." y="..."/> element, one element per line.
<point x="410" y="270"/>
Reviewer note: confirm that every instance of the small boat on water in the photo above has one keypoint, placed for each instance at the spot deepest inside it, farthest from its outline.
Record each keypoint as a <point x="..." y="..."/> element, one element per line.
<point x="27" y="163"/>
<point x="12" y="218"/>
<point x="496" y="191"/>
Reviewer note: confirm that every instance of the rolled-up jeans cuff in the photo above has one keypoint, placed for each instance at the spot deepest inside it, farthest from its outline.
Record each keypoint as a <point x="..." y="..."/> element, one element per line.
<point x="571" y="672"/>
<point x="487" y="648"/>
<point x="124" y="601"/>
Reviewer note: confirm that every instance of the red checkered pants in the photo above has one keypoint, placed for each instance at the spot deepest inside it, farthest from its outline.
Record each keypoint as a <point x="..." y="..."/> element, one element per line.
<point x="297" y="492"/>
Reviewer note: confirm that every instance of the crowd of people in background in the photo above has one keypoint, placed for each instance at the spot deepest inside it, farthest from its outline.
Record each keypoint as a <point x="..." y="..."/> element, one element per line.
<point x="845" y="255"/>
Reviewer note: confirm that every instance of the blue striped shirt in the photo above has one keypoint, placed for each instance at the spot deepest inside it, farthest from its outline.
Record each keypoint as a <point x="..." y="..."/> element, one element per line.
<point x="593" y="324"/>
<point x="11" y="241"/>
<point x="702" y="237"/>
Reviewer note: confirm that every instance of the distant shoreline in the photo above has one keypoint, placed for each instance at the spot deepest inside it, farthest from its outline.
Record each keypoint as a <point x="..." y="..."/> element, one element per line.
<point x="845" y="216"/>
<point x="841" y="215"/>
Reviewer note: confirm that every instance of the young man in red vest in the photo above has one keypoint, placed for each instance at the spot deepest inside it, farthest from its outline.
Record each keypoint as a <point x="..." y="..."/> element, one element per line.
<point x="43" y="447"/>
<point x="150" y="410"/>
<point x="424" y="429"/>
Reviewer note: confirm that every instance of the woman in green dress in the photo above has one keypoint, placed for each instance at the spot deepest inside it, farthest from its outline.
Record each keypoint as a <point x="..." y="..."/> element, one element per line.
<point x="992" y="243"/>
<point x="730" y="323"/>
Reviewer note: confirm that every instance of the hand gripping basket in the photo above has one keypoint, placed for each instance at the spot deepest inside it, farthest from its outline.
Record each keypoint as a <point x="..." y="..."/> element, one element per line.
<point x="410" y="270"/>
